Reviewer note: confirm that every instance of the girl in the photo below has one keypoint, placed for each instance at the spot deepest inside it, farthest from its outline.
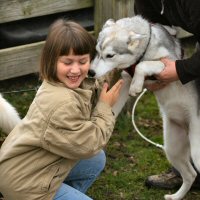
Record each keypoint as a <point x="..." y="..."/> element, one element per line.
<point x="56" y="151"/>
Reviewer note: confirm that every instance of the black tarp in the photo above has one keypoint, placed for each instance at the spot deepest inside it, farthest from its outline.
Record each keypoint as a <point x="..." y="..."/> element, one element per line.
<point x="35" y="29"/>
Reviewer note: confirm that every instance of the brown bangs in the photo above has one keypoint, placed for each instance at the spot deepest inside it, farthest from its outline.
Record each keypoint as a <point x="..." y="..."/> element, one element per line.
<point x="79" y="40"/>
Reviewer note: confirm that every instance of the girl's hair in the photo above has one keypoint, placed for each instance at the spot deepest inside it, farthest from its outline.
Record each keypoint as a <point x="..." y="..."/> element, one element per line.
<point x="64" y="36"/>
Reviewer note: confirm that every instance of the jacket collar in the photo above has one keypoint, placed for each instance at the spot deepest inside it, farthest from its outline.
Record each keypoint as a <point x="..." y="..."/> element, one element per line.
<point x="88" y="84"/>
<point x="86" y="89"/>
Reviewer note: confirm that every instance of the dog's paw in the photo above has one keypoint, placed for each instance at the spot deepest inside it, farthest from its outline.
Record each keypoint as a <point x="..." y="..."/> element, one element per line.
<point x="168" y="197"/>
<point x="171" y="197"/>
<point x="136" y="84"/>
<point x="134" y="90"/>
<point x="133" y="94"/>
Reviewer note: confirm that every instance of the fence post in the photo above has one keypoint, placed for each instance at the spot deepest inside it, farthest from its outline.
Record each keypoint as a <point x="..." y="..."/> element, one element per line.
<point x="115" y="9"/>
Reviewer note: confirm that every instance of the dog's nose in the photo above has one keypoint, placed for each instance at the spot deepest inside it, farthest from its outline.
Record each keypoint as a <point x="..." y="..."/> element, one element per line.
<point x="91" y="73"/>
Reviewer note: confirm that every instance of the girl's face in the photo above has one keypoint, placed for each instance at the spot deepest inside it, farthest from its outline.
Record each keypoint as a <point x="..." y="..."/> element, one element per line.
<point x="72" y="69"/>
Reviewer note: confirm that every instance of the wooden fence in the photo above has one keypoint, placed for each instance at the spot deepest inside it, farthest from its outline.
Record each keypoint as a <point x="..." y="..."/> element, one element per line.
<point x="24" y="59"/>
<point x="114" y="9"/>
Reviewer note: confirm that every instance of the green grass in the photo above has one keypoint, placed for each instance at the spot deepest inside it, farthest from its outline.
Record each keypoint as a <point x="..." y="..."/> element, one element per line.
<point x="130" y="159"/>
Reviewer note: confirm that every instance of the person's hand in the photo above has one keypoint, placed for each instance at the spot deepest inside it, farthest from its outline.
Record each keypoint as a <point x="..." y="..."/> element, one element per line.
<point x="167" y="75"/>
<point x="111" y="96"/>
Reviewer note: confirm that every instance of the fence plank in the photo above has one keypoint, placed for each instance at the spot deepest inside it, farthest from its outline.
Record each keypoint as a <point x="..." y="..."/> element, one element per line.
<point x="21" y="60"/>
<point x="115" y="9"/>
<point x="12" y="10"/>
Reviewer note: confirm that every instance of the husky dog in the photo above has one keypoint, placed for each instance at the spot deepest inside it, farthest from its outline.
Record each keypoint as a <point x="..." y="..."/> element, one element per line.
<point x="9" y="117"/>
<point x="137" y="43"/>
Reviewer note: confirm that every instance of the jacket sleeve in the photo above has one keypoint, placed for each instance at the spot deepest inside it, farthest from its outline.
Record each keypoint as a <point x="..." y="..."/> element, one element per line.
<point x="70" y="135"/>
<point x="188" y="69"/>
<point x="150" y="10"/>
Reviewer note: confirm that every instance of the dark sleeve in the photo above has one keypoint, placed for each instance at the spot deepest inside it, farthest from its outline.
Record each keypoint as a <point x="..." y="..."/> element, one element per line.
<point x="189" y="69"/>
<point x="192" y="10"/>
<point x="150" y="10"/>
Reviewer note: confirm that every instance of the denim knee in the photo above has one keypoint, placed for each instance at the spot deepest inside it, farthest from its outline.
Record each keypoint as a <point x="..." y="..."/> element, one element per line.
<point x="100" y="160"/>
<point x="66" y="192"/>
<point x="86" y="171"/>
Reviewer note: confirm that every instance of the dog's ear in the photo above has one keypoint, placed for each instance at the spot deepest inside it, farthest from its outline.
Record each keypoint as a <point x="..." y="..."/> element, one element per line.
<point x="172" y="31"/>
<point x="109" y="22"/>
<point x="136" y="36"/>
<point x="134" y="39"/>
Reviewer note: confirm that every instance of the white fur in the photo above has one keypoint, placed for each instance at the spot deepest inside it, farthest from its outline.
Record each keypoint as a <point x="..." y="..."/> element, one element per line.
<point x="9" y="117"/>
<point x="178" y="103"/>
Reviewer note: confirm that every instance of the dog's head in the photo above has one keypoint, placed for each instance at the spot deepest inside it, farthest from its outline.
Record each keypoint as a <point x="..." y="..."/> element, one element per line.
<point x="120" y="44"/>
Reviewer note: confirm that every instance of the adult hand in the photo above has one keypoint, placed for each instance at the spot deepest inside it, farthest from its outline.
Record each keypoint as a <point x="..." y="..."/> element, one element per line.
<point x="111" y="96"/>
<point x="167" y="75"/>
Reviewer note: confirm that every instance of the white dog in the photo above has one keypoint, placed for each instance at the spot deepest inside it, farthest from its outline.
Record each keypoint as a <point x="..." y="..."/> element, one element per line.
<point x="137" y="43"/>
<point x="9" y="117"/>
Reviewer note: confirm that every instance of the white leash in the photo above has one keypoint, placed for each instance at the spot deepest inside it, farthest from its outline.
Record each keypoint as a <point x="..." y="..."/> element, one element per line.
<point x="135" y="126"/>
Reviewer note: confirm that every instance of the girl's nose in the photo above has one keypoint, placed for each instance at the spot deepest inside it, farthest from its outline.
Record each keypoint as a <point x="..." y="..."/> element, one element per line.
<point x="75" y="68"/>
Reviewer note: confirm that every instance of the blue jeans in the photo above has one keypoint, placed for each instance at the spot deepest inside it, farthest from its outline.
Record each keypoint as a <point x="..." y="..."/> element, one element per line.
<point x="81" y="177"/>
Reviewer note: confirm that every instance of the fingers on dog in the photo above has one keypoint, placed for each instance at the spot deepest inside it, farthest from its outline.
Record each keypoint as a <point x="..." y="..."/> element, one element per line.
<point x="105" y="87"/>
<point x="117" y="85"/>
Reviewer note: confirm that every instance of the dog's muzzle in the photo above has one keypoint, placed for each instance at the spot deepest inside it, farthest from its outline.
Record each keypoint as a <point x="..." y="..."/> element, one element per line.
<point x="91" y="73"/>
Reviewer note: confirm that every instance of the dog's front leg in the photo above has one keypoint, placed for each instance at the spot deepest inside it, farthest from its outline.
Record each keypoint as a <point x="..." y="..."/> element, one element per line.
<point x="124" y="94"/>
<point x="143" y="69"/>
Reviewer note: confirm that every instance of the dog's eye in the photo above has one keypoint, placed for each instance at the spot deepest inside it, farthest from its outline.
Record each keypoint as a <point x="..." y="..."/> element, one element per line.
<point x="110" y="55"/>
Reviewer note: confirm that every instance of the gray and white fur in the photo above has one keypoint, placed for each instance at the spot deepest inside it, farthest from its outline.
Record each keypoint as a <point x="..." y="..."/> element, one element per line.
<point x="134" y="40"/>
<point x="9" y="117"/>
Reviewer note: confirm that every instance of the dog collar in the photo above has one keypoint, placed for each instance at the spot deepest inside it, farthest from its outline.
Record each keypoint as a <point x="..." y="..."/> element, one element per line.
<point x="131" y="70"/>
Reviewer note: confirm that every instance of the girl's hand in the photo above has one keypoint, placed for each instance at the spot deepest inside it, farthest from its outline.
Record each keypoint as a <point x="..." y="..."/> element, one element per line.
<point x="111" y="96"/>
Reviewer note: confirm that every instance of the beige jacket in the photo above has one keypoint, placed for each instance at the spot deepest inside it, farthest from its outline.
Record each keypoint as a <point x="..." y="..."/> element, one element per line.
<point x="60" y="128"/>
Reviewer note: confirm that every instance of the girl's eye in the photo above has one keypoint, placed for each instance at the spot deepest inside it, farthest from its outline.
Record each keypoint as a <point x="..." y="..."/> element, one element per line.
<point x="82" y="62"/>
<point x="67" y="62"/>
